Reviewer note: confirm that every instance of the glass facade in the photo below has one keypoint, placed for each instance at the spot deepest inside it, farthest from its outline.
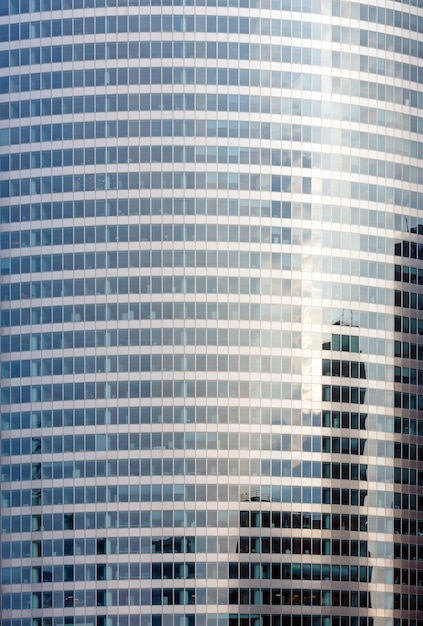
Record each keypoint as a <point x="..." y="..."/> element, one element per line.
<point x="211" y="313"/>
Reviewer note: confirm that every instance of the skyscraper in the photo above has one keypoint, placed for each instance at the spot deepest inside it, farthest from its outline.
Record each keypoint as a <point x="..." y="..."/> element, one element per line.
<point x="211" y="313"/>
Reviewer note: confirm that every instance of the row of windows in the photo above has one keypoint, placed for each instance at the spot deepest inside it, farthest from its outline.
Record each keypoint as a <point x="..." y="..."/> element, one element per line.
<point x="155" y="336"/>
<point x="407" y="476"/>
<point x="407" y="350"/>
<point x="410" y="249"/>
<point x="387" y="449"/>
<point x="403" y="324"/>
<point x="196" y="596"/>
<point x="352" y="10"/>
<point x="315" y="521"/>
<point x="378" y="40"/>
<point x="344" y="547"/>
<point x="165" y="180"/>
<point x="160" y="76"/>
<point x="364" y="243"/>
<point x="168" y="441"/>
<point x="99" y="597"/>
<point x="347" y="61"/>
<point x="202" y="311"/>
<point x="112" y="207"/>
<point x="156" y="389"/>
<point x="155" y="154"/>
<point x="190" y="545"/>
<point x="201" y="415"/>
<point x="25" y="134"/>
<point x="209" y="154"/>
<point x="239" y="51"/>
<point x="206" y="544"/>
<point x="304" y="597"/>
<point x="200" y="595"/>
<point x="374" y="193"/>
<point x="213" y="154"/>
<point x="207" y="76"/>
<point x="191" y="596"/>
<point x="209" y="493"/>
<point x="381" y="473"/>
<point x="351" y="471"/>
<point x="135" y="285"/>
<point x="203" y="493"/>
<point x="408" y="375"/>
<point x="353" y="395"/>
<point x="211" y="619"/>
<point x="210" y="180"/>
<point x="387" y="424"/>
<point x="104" y="129"/>
<point x="407" y="426"/>
<point x="135" y="23"/>
<point x="407" y="401"/>
<point x="199" y="570"/>
<point x="212" y="206"/>
<point x="355" y="369"/>
<point x="409" y="300"/>
<point x="15" y="7"/>
<point x="211" y="466"/>
<point x="343" y="445"/>
<point x="123" y="233"/>
<point x="250" y="596"/>
<point x="194" y="570"/>
<point x="144" y="337"/>
<point x="207" y="467"/>
<point x="344" y="343"/>
<point x="223" y="24"/>
<point x="406" y="274"/>
<point x="48" y="522"/>
<point x="357" y="395"/>
<point x="189" y="518"/>
<point x="162" y="232"/>
<point x="69" y="105"/>
<point x="190" y="414"/>
<point x="201" y="284"/>
<point x="234" y="51"/>
<point x="137" y="363"/>
<point x="151" y="311"/>
<point x="169" y="467"/>
<point x="161" y="128"/>
<point x="166" y="258"/>
<point x="190" y="362"/>
<point x="159" y="441"/>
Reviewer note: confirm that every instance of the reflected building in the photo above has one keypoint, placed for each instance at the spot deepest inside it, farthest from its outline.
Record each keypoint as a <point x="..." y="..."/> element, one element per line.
<point x="211" y="313"/>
